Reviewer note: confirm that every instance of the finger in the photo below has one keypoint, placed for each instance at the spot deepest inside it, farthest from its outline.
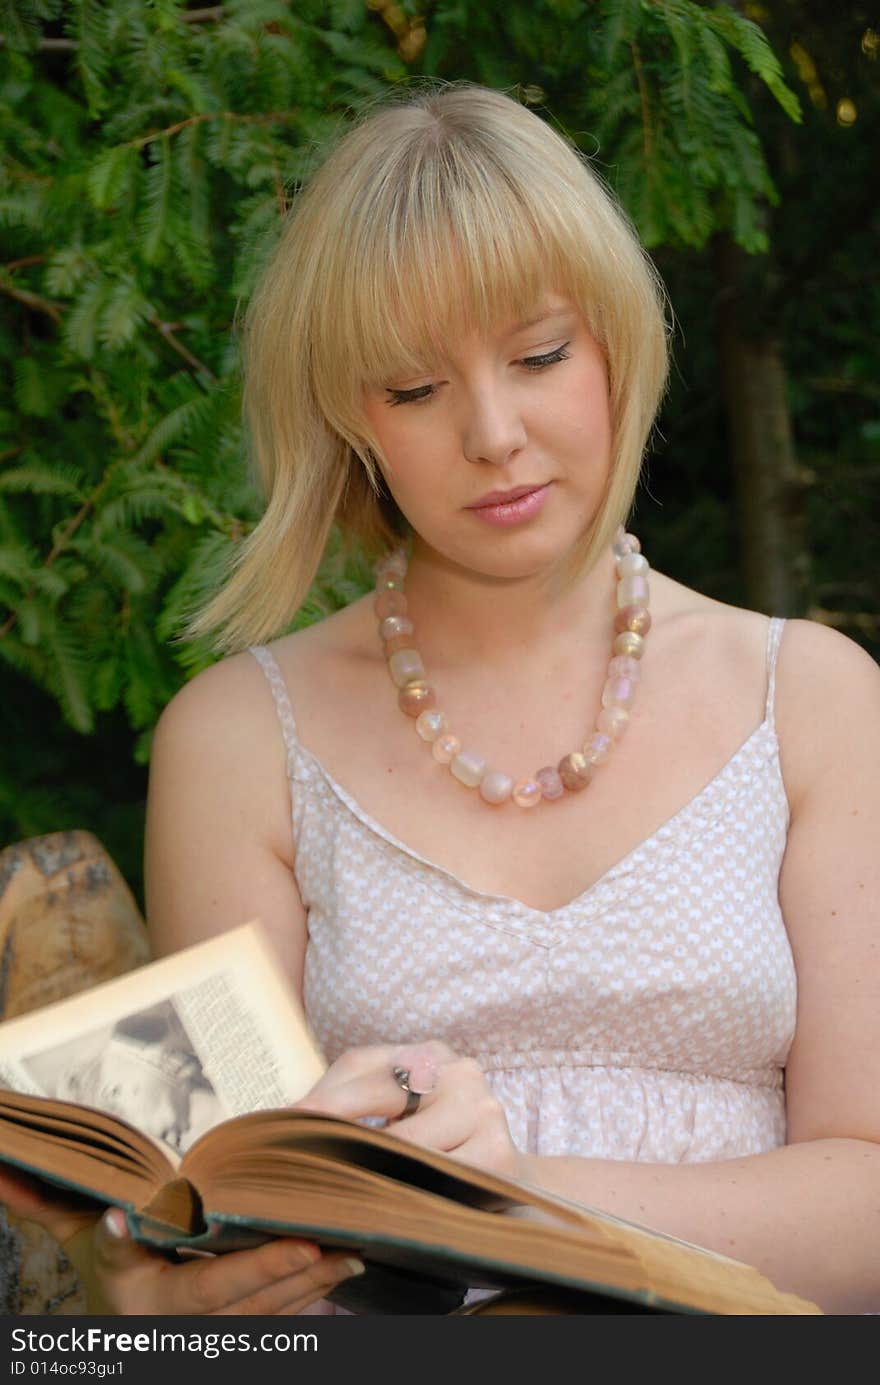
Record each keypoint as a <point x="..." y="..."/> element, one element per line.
<point x="374" y="1094"/>
<point x="296" y="1292"/>
<point x="243" y="1276"/>
<point x="122" y="1276"/>
<point x="60" y="1213"/>
<point x="442" y="1126"/>
<point x="422" y="1070"/>
<point x="371" y="1089"/>
<point x="138" y="1279"/>
<point x="374" y="1061"/>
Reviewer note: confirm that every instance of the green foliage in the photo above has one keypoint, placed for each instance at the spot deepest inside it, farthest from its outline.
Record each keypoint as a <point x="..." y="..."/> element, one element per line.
<point x="149" y="151"/>
<point x="143" y="160"/>
<point x="653" y="88"/>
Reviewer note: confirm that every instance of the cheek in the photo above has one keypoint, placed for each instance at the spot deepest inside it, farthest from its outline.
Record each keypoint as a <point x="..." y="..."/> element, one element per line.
<point x="584" y="412"/>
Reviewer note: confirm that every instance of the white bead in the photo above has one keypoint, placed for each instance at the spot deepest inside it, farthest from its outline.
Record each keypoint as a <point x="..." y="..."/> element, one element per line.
<point x="469" y="767"/>
<point x="632" y="591"/>
<point x="405" y="665"/>
<point x="631" y="564"/>
<point x="430" y="725"/>
<point x="496" y="787"/>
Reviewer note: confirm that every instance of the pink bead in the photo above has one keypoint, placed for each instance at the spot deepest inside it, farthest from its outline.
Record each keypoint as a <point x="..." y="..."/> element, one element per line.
<point x="618" y="692"/>
<point x="551" y="785"/>
<point x="445" y="748"/>
<point x="392" y="626"/>
<point x="635" y="618"/>
<point x="598" y="748"/>
<point x="415" y="697"/>
<point x="612" y="721"/>
<point x="390" y="603"/>
<point x="575" y="771"/>
<point x="399" y="642"/>
<point x="496" y="787"/>
<point x="527" y="793"/>
<point x="630" y="644"/>
<point x="622" y="666"/>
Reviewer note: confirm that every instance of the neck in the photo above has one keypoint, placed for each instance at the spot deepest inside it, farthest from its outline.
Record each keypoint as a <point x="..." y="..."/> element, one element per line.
<point x="462" y="616"/>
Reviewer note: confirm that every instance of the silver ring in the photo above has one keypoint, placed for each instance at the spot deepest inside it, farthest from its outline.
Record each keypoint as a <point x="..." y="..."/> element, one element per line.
<point x="413" y="1099"/>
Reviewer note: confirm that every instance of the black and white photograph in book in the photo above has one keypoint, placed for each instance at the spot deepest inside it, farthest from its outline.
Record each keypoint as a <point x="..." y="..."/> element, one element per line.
<point x="143" y="1068"/>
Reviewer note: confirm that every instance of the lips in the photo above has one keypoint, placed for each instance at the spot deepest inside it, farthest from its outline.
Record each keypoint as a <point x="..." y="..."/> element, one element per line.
<point x="505" y="497"/>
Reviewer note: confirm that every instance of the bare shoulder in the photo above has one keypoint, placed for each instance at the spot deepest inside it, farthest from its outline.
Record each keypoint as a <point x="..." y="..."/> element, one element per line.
<point x="811" y="651"/>
<point x="828" y="704"/>
<point x="825" y="675"/>
<point x="219" y="739"/>
<point x="229" y="687"/>
<point x="724" y="631"/>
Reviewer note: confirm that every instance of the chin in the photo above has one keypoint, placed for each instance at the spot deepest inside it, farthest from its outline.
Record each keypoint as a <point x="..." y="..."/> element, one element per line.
<point x="519" y="557"/>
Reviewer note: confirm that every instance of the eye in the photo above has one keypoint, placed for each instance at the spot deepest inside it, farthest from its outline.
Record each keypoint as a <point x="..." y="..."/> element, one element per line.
<point x="559" y="353"/>
<point x="415" y="396"/>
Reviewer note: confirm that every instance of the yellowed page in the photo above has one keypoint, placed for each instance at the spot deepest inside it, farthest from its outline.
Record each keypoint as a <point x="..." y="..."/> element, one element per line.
<point x="174" y="1047"/>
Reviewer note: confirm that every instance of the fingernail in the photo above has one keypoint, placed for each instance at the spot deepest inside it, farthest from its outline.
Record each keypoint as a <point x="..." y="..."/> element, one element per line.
<point x="354" y="1266"/>
<point x="114" y="1224"/>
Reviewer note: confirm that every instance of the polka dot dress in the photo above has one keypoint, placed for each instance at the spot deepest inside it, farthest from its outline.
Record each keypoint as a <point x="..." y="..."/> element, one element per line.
<point x="648" y="1019"/>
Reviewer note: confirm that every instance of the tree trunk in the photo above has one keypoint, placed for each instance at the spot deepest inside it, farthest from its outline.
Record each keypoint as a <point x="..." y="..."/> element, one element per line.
<point x="769" y="483"/>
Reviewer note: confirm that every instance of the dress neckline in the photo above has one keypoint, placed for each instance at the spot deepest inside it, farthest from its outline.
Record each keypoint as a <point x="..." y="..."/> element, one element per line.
<point x="703" y="809"/>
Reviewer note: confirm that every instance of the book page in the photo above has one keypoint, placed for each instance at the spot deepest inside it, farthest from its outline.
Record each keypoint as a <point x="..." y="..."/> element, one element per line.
<point x="174" y="1047"/>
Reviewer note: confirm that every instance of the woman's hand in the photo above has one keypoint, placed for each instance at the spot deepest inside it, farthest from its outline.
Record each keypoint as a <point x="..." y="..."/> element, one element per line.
<point x="458" y="1112"/>
<point x="282" y="1277"/>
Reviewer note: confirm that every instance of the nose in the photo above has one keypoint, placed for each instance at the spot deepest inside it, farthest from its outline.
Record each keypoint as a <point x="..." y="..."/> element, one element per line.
<point x="492" y="427"/>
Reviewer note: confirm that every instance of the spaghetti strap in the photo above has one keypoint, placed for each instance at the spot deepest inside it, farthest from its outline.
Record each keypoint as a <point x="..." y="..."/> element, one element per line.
<point x="275" y="678"/>
<point x="774" y="637"/>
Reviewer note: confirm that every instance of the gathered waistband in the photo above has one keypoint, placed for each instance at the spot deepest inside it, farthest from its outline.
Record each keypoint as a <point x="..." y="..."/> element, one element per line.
<point x="543" y="1059"/>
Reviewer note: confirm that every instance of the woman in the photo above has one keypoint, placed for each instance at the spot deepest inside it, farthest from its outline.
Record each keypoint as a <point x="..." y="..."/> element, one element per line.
<point x="563" y="975"/>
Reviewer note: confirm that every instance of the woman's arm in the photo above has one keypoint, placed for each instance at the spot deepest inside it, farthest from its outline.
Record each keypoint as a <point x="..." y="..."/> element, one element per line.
<point x="219" y="852"/>
<point x="219" y="842"/>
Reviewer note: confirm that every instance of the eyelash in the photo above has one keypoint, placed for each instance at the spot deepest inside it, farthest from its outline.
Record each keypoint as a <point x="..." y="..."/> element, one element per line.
<point x="422" y="393"/>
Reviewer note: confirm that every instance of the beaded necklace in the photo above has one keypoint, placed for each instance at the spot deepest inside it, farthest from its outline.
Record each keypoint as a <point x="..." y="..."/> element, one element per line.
<point x="417" y="698"/>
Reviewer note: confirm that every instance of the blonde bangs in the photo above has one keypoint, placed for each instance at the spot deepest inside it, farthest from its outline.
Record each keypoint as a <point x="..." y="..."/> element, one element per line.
<point x="448" y="242"/>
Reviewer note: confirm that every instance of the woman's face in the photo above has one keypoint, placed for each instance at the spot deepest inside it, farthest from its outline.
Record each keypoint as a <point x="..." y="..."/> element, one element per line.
<point x="498" y="455"/>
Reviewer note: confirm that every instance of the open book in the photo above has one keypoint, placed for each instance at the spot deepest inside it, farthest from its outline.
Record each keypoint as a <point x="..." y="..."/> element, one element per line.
<point x="167" y="1091"/>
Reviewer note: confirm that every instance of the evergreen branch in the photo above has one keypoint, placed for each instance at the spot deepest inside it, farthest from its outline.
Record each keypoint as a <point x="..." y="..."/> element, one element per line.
<point x="30" y="300"/>
<point x="167" y="331"/>
<point x="25" y="263"/>
<point x="234" y="117"/>
<point x="48" y="44"/>
<point x="64" y="538"/>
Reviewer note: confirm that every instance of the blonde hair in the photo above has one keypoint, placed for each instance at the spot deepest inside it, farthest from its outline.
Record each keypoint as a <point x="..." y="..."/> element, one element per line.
<point x="451" y="210"/>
